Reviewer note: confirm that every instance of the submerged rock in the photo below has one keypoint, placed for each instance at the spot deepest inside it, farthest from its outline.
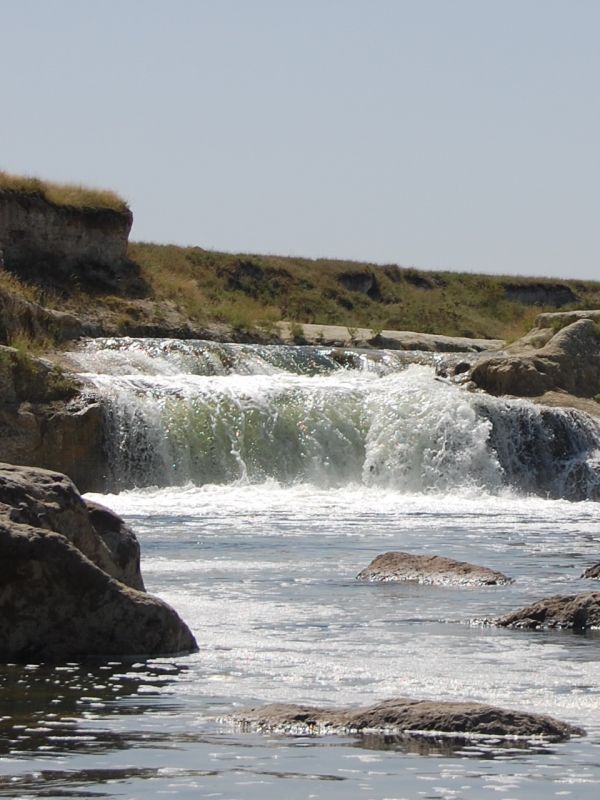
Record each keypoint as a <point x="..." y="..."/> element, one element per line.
<point x="405" y="715"/>
<point x="70" y="581"/>
<point x="577" y="612"/>
<point x="397" y="566"/>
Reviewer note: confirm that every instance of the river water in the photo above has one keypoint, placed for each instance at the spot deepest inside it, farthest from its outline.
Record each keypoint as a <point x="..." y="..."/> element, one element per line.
<point x="260" y="481"/>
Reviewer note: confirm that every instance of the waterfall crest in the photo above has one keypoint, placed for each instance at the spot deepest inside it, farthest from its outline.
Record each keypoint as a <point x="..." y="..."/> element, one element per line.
<point x="203" y="412"/>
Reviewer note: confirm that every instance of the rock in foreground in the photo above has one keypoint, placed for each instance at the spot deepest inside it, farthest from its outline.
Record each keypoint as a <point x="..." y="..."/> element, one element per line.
<point x="397" y="566"/>
<point x="578" y="612"/>
<point x="404" y="715"/>
<point x="70" y="584"/>
<point x="49" y="501"/>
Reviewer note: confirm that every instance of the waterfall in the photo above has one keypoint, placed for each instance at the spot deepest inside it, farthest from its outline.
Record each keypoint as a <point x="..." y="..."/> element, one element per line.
<point x="202" y="412"/>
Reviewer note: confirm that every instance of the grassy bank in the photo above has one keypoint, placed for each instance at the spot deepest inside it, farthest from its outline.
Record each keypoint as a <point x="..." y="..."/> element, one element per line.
<point x="62" y="194"/>
<point x="188" y="286"/>
<point x="247" y="290"/>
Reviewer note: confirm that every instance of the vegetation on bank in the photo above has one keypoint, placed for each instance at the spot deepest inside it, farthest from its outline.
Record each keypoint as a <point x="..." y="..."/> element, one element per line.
<point x="250" y="290"/>
<point x="189" y="286"/>
<point x="62" y="194"/>
<point x="254" y="292"/>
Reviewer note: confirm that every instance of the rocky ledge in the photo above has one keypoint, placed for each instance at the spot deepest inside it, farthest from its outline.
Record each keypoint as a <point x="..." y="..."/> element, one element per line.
<point x="341" y="336"/>
<point x="70" y="580"/>
<point x="567" y="361"/>
<point x="404" y="716"/>
<point x="578" y="612"/>
<point x="46" y="420"/>
<point x="397" y="566"/>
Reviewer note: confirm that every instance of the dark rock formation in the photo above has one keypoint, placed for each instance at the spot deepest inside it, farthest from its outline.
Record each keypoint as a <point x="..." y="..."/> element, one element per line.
<point x="592" y="572"/>
<point x="67" y="569"/>
<point x="570" y="361"/>
<point x="59" y="245"/>
<point x="395" y="566"/>
<point x="577" y="612"/>
<point x="44" y="421"/>
<point x="540" y="294"/>
<point x="403" y="715"/>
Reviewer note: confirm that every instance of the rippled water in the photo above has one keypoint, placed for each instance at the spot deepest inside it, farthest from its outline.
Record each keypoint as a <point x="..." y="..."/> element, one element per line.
<point x="264" y="574"/>
<point x="280" y="473"/>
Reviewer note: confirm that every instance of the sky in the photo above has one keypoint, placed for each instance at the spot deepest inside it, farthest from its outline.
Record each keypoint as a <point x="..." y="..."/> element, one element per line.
<point x="441" y="134"/>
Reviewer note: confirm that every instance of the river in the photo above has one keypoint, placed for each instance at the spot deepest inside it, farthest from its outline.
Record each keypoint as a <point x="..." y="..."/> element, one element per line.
<point x="260" y="481"/>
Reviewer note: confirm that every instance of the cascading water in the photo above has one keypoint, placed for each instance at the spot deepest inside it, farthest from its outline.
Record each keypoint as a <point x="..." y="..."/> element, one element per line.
<point x="266" y="479"/>
<point x="207" y="413"/>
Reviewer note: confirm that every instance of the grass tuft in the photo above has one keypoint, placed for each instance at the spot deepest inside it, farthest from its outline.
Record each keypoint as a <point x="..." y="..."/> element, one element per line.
<point x="69" y="195"/>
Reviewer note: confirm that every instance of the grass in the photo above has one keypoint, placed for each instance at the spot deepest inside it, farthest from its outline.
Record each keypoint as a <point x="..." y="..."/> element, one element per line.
<point x="62" y="194"/>
<point x="250" y="292"/>
<point x="245" y="290"/>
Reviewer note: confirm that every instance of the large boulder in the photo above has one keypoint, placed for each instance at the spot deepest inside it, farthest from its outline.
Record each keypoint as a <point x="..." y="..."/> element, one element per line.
<point x="49" y="501"/>
<point x="70" y="580"/>
<point x="397" y="566"/>
<point x="404" y="715"/>
<point x="577" y="612"/>
<point x="55" y="605"/>
<point x="569" y="361"/>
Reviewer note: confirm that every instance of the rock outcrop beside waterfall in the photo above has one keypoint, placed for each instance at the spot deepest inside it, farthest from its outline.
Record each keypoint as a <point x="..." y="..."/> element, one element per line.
<point x="567" y="361"/>
<point x="405" y="716"/>
<point x="45" y="421"/>
<point x="70" y="580"/>
<point x="396" y="566"/>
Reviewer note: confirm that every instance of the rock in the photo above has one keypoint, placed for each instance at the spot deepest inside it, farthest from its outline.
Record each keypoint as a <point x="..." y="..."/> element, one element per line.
<point x="404" y="715"/>
<point x="569" y="361"/>
<point x="577" y="612"/>
<point x="409" y="340"/>
<point x="49" y="501"/>
<point x="46" y="422"/>
<point x="54" y="245"/>
<point x="25" y="378"/>
<point x="19" y="316"/>
<point x="341" y="336"/>
<point x="70" y="580"/>
<point x="543" y="293"/>
<point x="364" y="282"/>
<point x="55" y="605"/>
<point x="560" y="319"/>
<point x="592" y="572"/>
<point x="559" y="399"/>
<point x="395" y="566"/>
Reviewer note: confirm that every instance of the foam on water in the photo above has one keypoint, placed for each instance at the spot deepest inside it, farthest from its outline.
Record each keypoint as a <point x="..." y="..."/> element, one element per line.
<point x="179" y="412"/>
<point x="267" y="479"/>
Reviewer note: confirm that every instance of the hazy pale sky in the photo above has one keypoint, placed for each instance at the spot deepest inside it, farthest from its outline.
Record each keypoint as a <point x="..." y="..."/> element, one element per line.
<point x="445" y="134"/>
